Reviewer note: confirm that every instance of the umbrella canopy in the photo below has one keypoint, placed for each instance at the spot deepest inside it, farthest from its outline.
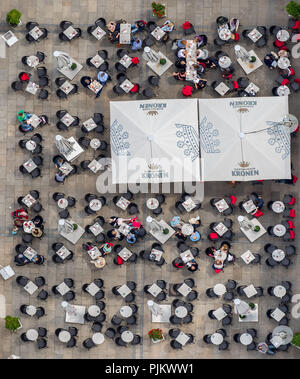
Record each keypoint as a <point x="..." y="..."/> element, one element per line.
<point x="62" y="59"/>
<point x="154" y="308"/>
<point x="244" y="139"/>
<point x="241" y="307"/>
<point x="154" y="141"/>
<point x="64" y="146"/>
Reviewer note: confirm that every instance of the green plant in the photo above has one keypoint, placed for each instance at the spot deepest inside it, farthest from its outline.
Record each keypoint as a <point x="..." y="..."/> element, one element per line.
<point x="158" y="9"/>
<point x="256" y="228"/>
<point x="166" y="231"/>
<point x="293" y="9"/>
<point x="162" y="61"/>
<point x="12" y="323"/>
<point x="75" y="226"/>
<point x="242" y="317"/>
<point x="156" y="334"/>
<point x="251" y="305"/>
<point x="13" y="17"/>
<point x="73" y="66"/>
<point x="252" y="59"/>
<point x="296" y="339"/>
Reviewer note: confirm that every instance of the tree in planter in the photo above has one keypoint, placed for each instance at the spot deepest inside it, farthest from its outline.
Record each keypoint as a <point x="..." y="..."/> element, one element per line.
<point x="13" y="17"/>
<point x="12" y="323"/>
<point x="158" y="9"/>
<point x="296" y="340"/>
<point x="293" y="9"/>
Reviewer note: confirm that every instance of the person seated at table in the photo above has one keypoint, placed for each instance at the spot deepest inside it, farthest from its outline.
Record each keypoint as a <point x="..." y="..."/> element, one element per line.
<point x="37" y="232"/>
<point x="210" y="252"/>
<point x="218" y="266"/>
<point x="38" y="259"/>
<point x="38" y="221"/>
<point x="134" y="223"/>
<point x="195" y="222"/>
<point x="22" y="115"/>
<point x="192" y="265"/>
<point x="115" y="235"/>
<point x="181" y="43"/>
<point x="265" y="348"/>
<point x="180" y="63"/>
<point x="106" y="248"/>
<point x="86" y="81"/>
<point x="258" y="200"/>
<point x="58" y="161"/>
<point x="178" y="263"/>
<point x="114" y="31"/>
<point x="20" y="259"/>
<point x="117" y="221"/>
<point x="21" y="214"/>
<point x="136" y="44"/>
<point x="179" y="75"/>
<point x="211" y="63"/>
<point x="180" y="235"/>
<point x="25" y="124"/>
<point x="225" y="246"/>
<point x="18" y="223"/>
<point x="131" y="238"/>
<point x="168" y="26"/>
<point x="201" y="40"/>
<point x="102" y="77"/>
<point x="181" y="53"/>
<point x="271" y="60"/>
<point x="15" y="230"/>
<point x="141" y="24"/>
<point x="60" y="177"/>
<point x="200" y="83"/>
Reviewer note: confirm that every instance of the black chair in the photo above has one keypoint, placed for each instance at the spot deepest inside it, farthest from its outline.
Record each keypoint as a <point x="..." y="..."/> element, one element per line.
<point x="148" y="93"/>
<point x="65" y="24"/>
<point x="88" y="343"/>
<point x="40" y="281"/>
<point x="43" y="94"/>
<point x="41" y="343"/>
<point x="42" y="332"/>
<point x="175" y="345"/>
<point x="153" y="80"/>
<point x="17" y="86"/>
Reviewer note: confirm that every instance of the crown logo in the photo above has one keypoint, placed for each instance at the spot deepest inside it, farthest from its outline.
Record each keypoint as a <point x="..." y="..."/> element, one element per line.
<point x="243" y="110"/>
<point x="152" y="113"/>
<point x="244" y="164"/>
<point x="153" y="166"/>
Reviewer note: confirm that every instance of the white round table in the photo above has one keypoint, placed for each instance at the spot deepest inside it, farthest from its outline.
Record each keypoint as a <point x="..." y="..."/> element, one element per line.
<point x="181" y="312"/>
<point x="126" y="311"/>
<point x="246" y="339"/>
<point x="283" y="35"/>
<point x="283" y="91"/>
<point x="64" y="336"/>
<point x="62" y="203"/>
<point x="32" y="61"/>
<point x="283" y="62"/>
<point x="224" y="62"/>
<point x="219" y="289"/>
<point x="217" y="338"/>
<point x="224" y="34"/>
<point x="278" y="207"/>
<point x="284" y="332"/>
<point x="127" y="336"/>
<point x="95" y="205"/>
<point x="32" y="334"/>
<point x="279" y="230"/>
<point x="31" y="310"/>
<point x="187" y="229"/>
<point x="94" y="310"/>
<point x="95" y="143"/>
<point x="28" y="226"/>
<point x="203" y="54"/>
<point x="292" y="122"/>
<point x="98" y="338"/>
<point x="30" y="145"/>
<point x="152" y="203"/>
<point x="279" y="291"/>
<point x="278" y="255"/>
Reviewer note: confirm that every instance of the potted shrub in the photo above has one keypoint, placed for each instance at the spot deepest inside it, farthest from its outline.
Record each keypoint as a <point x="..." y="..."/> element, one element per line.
<point x="13" y="17"/>
<point x="296" y="340"/>
<point x="242" y="317"/>
<point x="73" y="66"/>
<point x="252" y="59"/>
<point x="12" y="323"/>
<point x="251" y="305"/>
<point x="159" y="10"/>
<point x="156" y="335"/>
<point x="256" y="228"/>
<point x="293" y="9"/>
<point x="75" y="226"/>
<point x="166" y="231"/>
<point x="162" y="61"/>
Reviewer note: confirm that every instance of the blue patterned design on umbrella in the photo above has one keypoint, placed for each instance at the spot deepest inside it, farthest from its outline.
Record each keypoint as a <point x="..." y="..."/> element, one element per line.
<point x="281" y="137"/>
<point x="208" y="136"/>
<point x="189" y="142"/>
<point x="118" y="137"/>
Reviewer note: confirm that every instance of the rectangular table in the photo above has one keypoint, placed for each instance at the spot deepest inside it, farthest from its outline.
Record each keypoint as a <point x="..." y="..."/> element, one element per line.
<point x="66" y="87"/>
<point x="161" y="237"/>
<point x="70" y="74"/>
<point x="221" y="205"/>
<point x="29" y="165"/>
<point x="6" y="272"/>
<point x="98" y="33"/>
<point x="28" y="200"/>
<point x="250" y="291"/>
<point x="154" y="289"/>
<point x="125" y="34"/>
<point x="70" y="32"/>
<point x="254" y="35"/>
<point x="157" y="254"/>
<point x="96" y="229"/>
<point x="62" y="288"/>
<point x="187" y="256"/>
<point x="158" y="68"/>
<point x="222" y="89"/>
<point x="250" y="234"/>
<point x="63" y="252"/>
<point x="126" y="85"/>
<point x="95" y="166"/>
<point x="95" y="86"/>
<point x="252" y="88"/>
<point x="125" y="254"/>
<point x="277" y="314"/>
<point x="220" y="229"/>
<point x="35" y="33"/>
<point x="252" y="316"/>
<point x="249" y="206"/>
<point x="92" y="289"/>
<point x="75" y="236"/>
<point x="34" y="121"/>
<point x="219" y="314"/>
<point x="189" y="205"/>
<point x="158" y="33"/>
<point x="32" y="88"/>
<point x="249" y="67"/>
<point x="247" y="257"/>
<point x="89" y="124"/>
<point x="97" y="60"/>
<point x="124" y="229"/>
<point x="76" y="316"/>
<point x="30" y="287"/>
<point x="30" y="253"/>
<point x="122" y="203"/>
<point x="94" y="253"/>
<point x="67" y="119"/>
<point x="125" y="61"/>
<point x="66" y="168"/>
<point x="10" y="38"/>
<point x="184" y="289"/>
<point x="124" y="290"/>
<point x="77" y="150"/>
<point x="182" y="338"/>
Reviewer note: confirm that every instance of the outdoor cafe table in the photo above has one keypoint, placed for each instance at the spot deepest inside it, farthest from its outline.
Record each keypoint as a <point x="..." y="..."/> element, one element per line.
<point x="158" y="33"/>
<point x="248" y="66"/>
<point x="283" y="35"/>
<point x="67" y="119"/>
<point x="29" y="253"/>
<point x="30" y="145"/>
<point x="95" y="166"/>
<point x="152" y="203"/>
<point x="182" y="338"/>
<point x="96" y="229"/>
<point x="187" y="256"/>
<point x="157" y="254"/>
<point x="125" y="34"/>
<point x="66" y="168"/>
<point x="224" y="34"/>
<point x="254" y="35"/>
<point x="219" y="289"/>
<point x="189" y="204"/>
<point x="66" y="87"/>
<point x="35" y="33"/>
<point x="97" y="60"/>
<point x="125" y="61"/>
<point x="62" y="288"/>
<point x="219" y="314"/>
<point x="94" y="310"/>
<point x="92" y="289"/>
<point x="28" y="226"/>
<point x="124" y="290"/>
<point x="30" y="287"/>
<point x="284" y="332"/>
<point x="89" y="124"/>
<point x="34" y="121"/>
<point x="250" y="291"/>
<point x="181" y="312"/>
<point x="98" y="338"/>
<point x="283" y="63"/>
<point x="246" y="339"/>
<point x="32" y="61"/>
<point x="277" y="314"/>
<point x="98" y="33"/>
<point x="68" y="72"/>
<point x="222" y="88"/>
<point x="221" y="205"/>
<point x="126" y="85"/>
<point x="278" y="207"/>
<point x="31" y="310"/>
<point x="63" y="252"/>
<point x="220" y="255"/>
<point x="154" y="289"/>
<point x="95" y="143"/>
<point x="159" y="235"/>
<point x="28" y="200"/>
<point x="64" y="336"/>
<point x="125" y="254"/>
<point x="62" y="203"/>
<point x="276" y="341"/>
<point x="252" y="89"/>
<point x="184" y="289"/>
<point x="278" y="255"/>
<point x="29" y="165"/>
<point x="224" y="61"/>
<point x="283" y="91"/>
<point x="187" y="229"/>
<point x="279" y="291"/>
<point x="158" y="68"/>
<point x="70" y="32"/>
<point x="122" y="203"/>
<point x="221" y="229"/>
<point x="247" y="257"/>
<point x="127" y="336"/>
<point x="95" y="205"/>
<point x="217" y="338"/>
<point x="279" y="230"/>
<point x="32" y="334"/>
<point x="95" y="86"/>
<point x="32" y="88"/>
<point x="126" y="311"/>
<point x="124" y="229"/>
<point x="94" y="252"/>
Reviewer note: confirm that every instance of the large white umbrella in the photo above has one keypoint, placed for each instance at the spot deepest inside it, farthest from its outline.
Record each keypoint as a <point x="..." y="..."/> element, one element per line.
<point x="154" y="308"/>
<point x="154" y="141"/>
<point x="62" y="59"/>
<point x="244" y="139"/>
<point x="241" y="307"/>
<point x="64" y="146"/>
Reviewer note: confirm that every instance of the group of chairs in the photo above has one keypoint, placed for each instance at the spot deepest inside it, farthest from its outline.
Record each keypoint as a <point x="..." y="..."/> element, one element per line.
<point x="253" y="334"/>
<point x="39" y="281"/>
<point x="161" y="284"/>
<point x="286" y="262"/>
<point x="37" y="206"/>
<point x="73" y="332"/>
<point x="29" y="26"/>
<point x="41" y="342"/>
<point x="174" y="333"/>
<point x="99" y="238"/>
<point x="88" y="198"/>
<point x="65" y="25"/>
<point x="147" y="256"/>
<point x="118" y="261"/>
<point x="60" y="93"/>
<point x="262" y="41"/>
<point x="98" y="119"/>
<point x="70" y="295"/>
<point x="227" y="320"/>
<point x="188" y="319"/>
<point x="62" y="126"/>
<point x="192" y="295"/>
<point x="37" y="138"/>
<point x="131" y="296"/>
<point x="224" y="345"/>
<point x="56" y="258"/>
<point x="38" y="160"/>
<point x="104" y="66"/>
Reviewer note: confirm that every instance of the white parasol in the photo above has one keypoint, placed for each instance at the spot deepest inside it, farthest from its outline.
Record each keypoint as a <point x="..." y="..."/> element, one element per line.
<point x="65" y="226"/>
<point x="154" y="308"/>
<point x="241" y="307"/>
<point x="241" y="52"/>
<point x="62" y="59"/>
<point x="64" y="146"/>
